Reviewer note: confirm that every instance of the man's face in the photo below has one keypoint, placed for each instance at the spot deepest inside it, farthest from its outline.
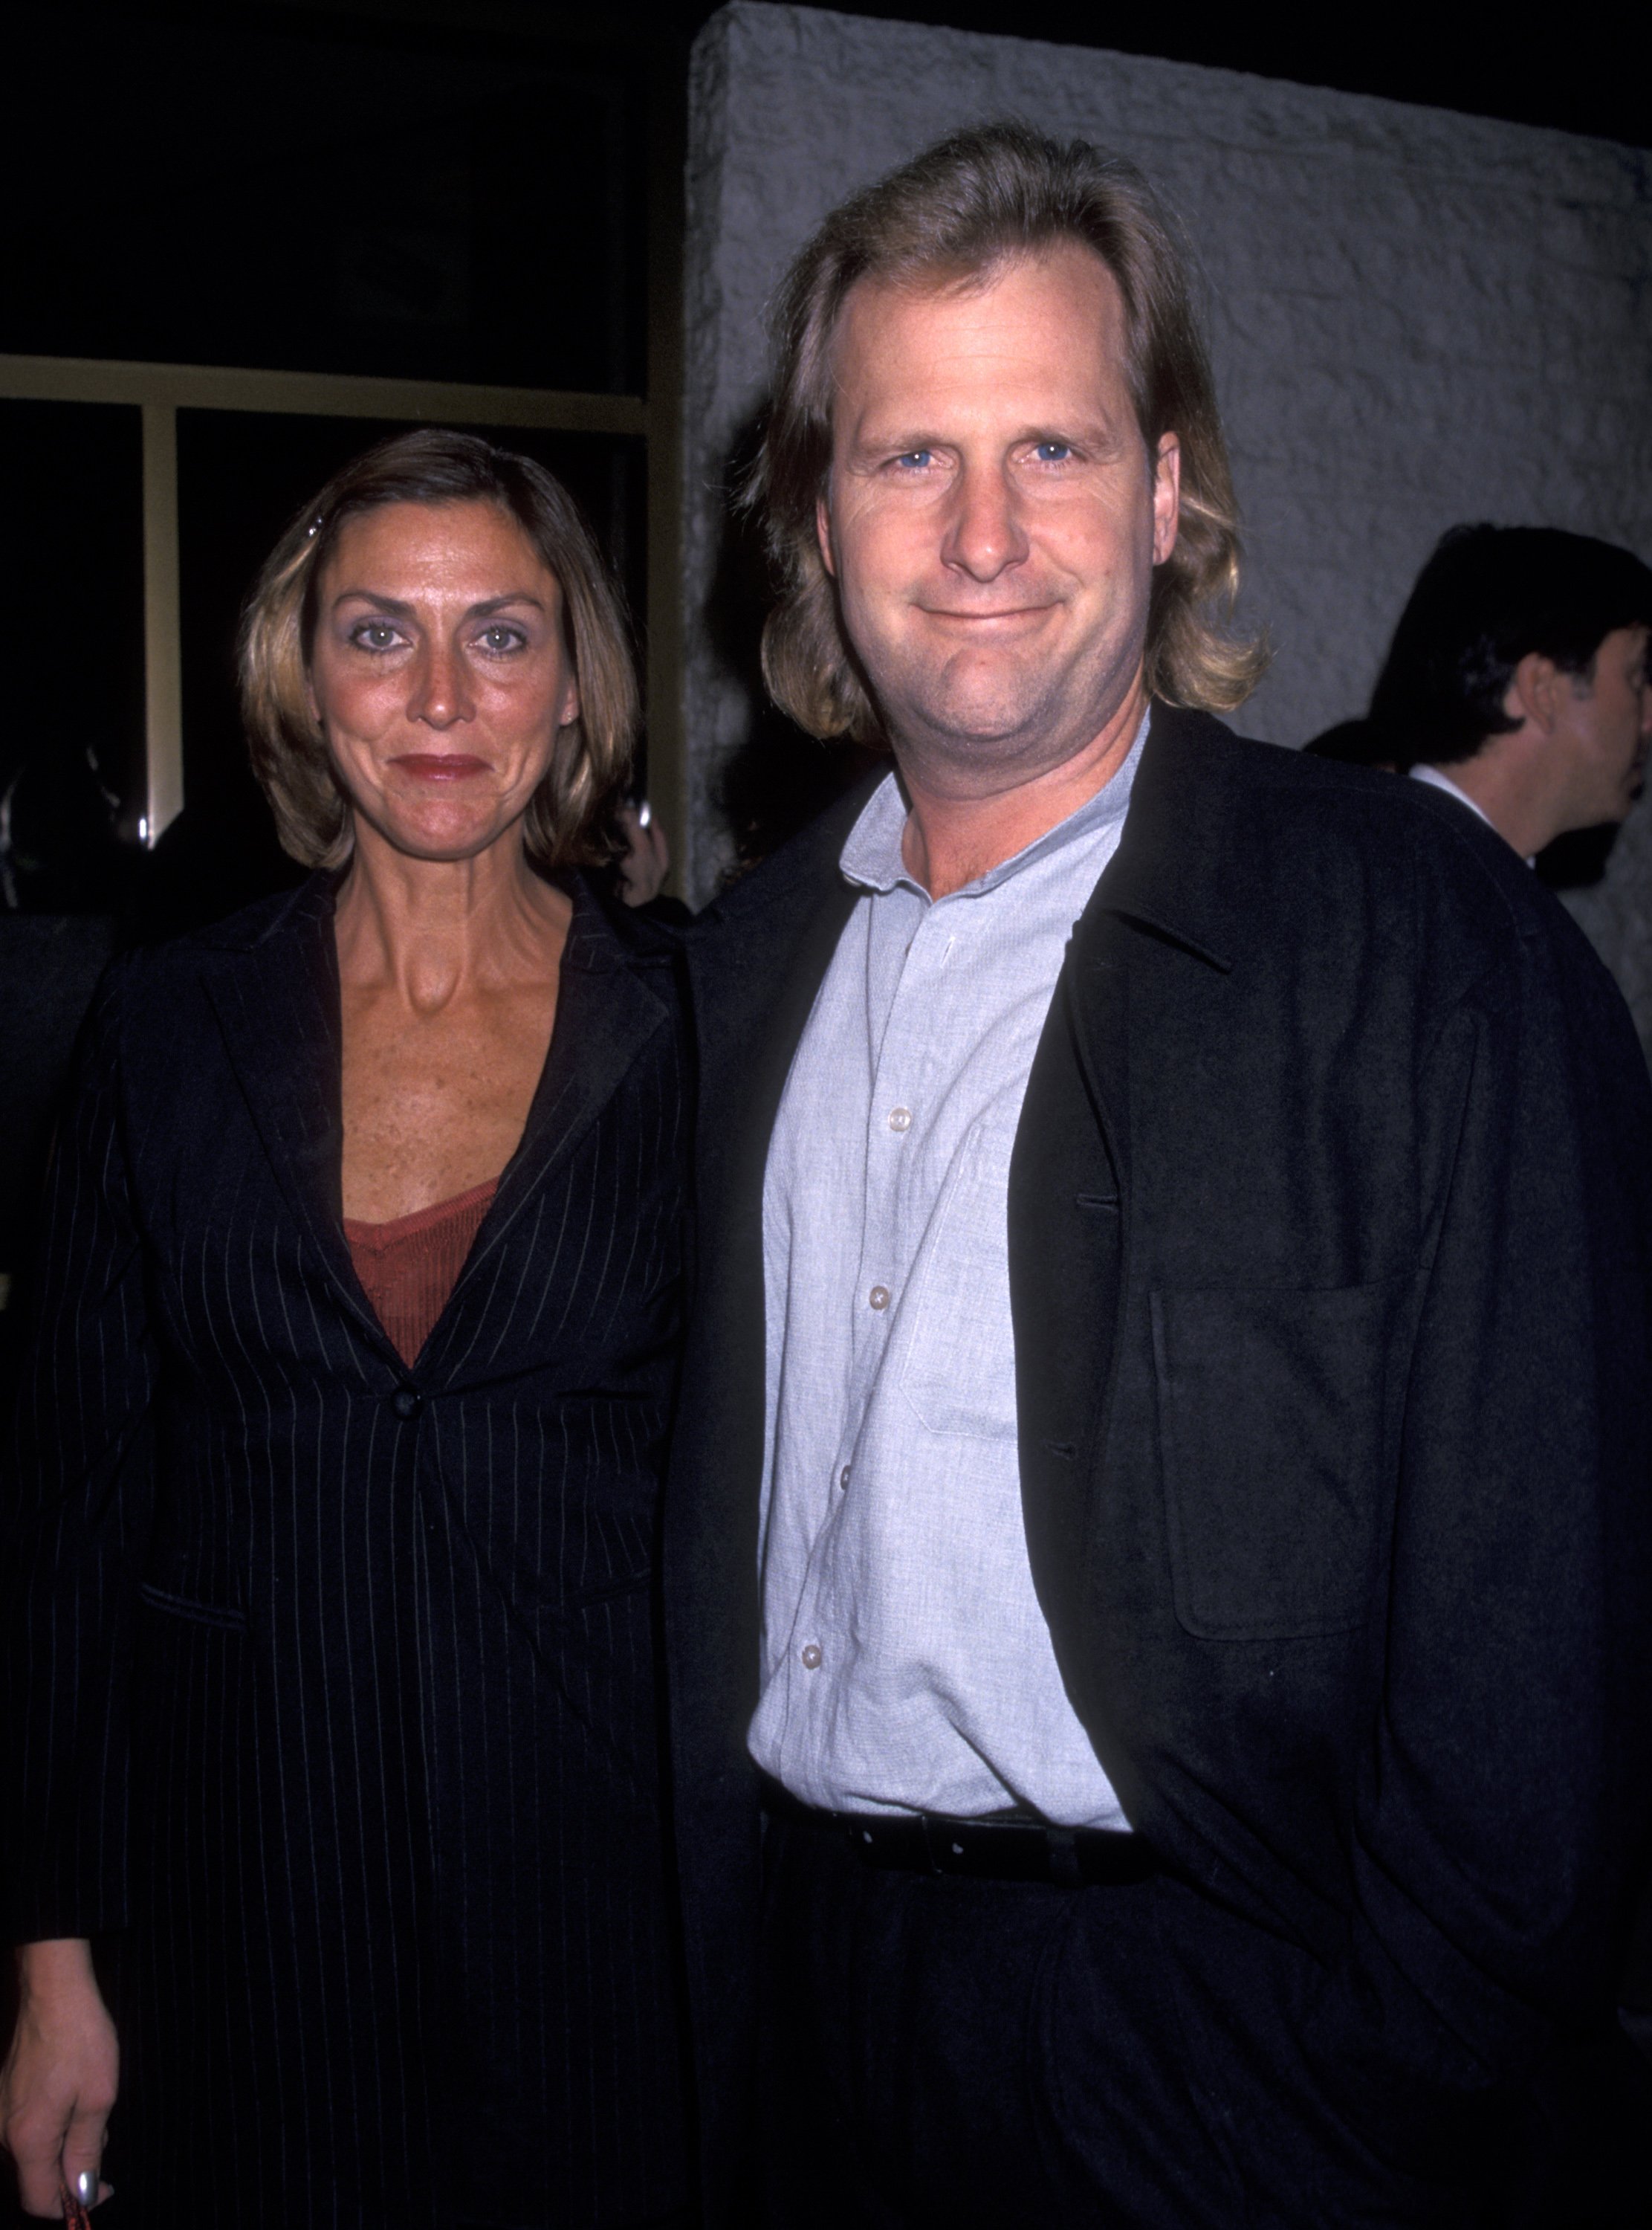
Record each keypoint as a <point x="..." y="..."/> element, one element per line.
<point x="992" y="516"/>
<point x="1607" y="726"/>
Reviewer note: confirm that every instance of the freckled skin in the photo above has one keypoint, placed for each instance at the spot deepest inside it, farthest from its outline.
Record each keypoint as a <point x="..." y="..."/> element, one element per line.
<point x="435" y="1104"/>
<point x="441" y="677"/>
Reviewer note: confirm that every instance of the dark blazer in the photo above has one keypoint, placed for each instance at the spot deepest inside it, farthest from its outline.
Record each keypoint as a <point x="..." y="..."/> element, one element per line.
<point x="1330" y="1258"/>
<point x="332" y="1707"/>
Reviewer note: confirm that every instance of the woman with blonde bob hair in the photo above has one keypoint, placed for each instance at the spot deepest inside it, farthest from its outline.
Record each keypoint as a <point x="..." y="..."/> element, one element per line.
<point x="331" y="1501"/>
<point x="568" y="820"/>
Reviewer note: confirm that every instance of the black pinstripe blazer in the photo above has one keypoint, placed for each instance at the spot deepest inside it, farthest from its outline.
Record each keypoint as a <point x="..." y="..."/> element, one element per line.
<point x="332" y="1691"/>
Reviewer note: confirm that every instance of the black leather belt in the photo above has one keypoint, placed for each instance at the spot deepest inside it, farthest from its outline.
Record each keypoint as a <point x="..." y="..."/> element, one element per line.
<point x="998" y="1849"/>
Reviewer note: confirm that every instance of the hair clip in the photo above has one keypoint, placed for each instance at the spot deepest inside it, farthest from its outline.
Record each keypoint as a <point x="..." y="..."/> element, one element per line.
<point x="314" y="528"/>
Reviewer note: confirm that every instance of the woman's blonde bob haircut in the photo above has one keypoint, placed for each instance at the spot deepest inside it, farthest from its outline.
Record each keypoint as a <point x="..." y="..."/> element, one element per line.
<point x="570" y="820"/>
<point x="948" y="218"/>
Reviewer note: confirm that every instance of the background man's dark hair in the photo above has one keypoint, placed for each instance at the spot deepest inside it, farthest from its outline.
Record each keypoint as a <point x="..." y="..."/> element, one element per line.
<point x="1487" y="597"/>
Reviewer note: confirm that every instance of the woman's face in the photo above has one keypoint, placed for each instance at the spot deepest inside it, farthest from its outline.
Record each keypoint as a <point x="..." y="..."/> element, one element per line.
<point x="439" y="673"/>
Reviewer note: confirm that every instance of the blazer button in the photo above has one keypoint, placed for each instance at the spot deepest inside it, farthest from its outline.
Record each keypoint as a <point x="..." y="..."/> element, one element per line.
<point x="405" y="1402"/>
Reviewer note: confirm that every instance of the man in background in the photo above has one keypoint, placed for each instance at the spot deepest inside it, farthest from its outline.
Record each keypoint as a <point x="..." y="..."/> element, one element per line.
<point x="1161" y="1527"/>
<point x="1518" y="679"/>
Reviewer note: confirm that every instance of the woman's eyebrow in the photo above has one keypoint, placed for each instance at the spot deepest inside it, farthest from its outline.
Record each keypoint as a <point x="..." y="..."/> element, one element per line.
<point x="499" y="604"/>
<point x="400" y="609"/>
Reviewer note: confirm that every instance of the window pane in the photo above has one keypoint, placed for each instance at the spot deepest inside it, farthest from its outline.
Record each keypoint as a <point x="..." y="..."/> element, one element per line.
<point x="72" y="577"/>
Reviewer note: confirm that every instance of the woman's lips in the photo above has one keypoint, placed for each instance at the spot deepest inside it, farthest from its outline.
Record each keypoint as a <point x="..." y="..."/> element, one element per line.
<point x="439" y="766"/>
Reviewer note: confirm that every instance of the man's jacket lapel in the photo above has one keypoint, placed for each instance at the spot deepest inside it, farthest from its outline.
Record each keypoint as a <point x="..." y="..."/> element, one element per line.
<point x="755" y="961"/>
<point x="1072" y="1205"/>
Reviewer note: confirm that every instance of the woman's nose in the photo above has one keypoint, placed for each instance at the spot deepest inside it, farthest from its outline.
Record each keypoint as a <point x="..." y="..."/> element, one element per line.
<point x="441" y="695"/>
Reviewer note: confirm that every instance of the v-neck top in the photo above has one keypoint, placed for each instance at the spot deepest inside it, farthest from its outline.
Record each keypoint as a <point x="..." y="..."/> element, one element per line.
<point x="409" y="1265"/>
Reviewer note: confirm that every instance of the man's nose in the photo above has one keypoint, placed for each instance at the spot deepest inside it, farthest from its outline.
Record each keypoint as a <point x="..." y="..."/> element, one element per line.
<point x="985" y="534"/>
<point x="441" y="695"/>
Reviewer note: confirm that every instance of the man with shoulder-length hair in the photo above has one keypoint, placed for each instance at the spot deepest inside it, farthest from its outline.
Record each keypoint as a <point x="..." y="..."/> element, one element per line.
<point x="1160" y="1530"/>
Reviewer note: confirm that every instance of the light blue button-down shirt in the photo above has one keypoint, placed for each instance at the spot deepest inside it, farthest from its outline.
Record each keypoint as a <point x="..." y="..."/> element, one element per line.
<point x="906" y="1664"/>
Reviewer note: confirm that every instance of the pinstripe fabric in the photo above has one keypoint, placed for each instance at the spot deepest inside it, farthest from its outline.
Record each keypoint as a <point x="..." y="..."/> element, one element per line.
<point x="332" y="1691"/>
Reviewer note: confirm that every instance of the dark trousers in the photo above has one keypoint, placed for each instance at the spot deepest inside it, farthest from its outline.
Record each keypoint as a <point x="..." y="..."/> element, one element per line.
<point x="938" y="2051"/>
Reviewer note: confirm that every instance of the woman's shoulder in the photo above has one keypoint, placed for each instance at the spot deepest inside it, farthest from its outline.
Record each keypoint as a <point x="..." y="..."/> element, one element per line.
<point x="606" y="930"/>
<point x="152" y="994"/>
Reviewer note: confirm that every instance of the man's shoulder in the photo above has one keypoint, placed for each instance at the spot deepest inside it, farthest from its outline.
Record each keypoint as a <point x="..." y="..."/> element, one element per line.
<point x="1329" y="836"/>
<point x="791" y="881"/>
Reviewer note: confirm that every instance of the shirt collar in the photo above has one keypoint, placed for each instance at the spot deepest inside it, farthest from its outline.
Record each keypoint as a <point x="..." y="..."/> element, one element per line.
<point x="1436" y="778"/>
<point x="871" y="855"/>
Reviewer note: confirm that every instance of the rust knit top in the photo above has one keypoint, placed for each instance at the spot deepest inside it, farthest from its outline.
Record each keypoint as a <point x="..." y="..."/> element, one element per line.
<point x="409" y="1265"/>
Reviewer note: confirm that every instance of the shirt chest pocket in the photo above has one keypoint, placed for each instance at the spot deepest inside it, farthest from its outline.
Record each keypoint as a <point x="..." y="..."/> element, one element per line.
<point x="957" y="1370"/>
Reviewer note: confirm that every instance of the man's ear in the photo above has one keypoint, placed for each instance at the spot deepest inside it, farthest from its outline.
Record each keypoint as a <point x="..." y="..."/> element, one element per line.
<point x="1167" y="497"/>
<point x="823" y="535"/>
<point x="1533" y="692"/>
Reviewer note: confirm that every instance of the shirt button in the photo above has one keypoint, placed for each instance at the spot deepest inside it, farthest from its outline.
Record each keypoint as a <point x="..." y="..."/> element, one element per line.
<point x="879" y="1297"/>
<point x="843" y="1476"/>
<point x="810" y="1654"/>
<point x="405" y="1402"/>
<point x="900" y="1118"/>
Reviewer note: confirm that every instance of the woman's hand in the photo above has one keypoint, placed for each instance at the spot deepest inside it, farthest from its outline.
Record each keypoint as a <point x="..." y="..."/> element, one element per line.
<point x="60" y="2074"/>
<point x="646" y="859"/>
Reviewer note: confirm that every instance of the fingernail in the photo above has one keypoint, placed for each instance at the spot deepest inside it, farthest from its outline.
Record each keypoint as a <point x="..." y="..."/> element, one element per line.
<point x="85" y="2186"/>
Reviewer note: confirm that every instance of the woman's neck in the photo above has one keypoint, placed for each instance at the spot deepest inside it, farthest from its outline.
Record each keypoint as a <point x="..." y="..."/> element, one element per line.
<point x="431" y="929"/>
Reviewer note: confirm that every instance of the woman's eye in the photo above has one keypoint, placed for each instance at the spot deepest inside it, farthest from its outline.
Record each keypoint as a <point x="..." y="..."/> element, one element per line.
<point x="502" y="638"/>
<point x="374" y="634"/>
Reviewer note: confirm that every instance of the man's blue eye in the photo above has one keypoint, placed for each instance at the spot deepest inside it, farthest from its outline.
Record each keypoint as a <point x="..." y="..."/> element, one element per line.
<point x="1053" y="453"/>
<point x="916" y="457"/>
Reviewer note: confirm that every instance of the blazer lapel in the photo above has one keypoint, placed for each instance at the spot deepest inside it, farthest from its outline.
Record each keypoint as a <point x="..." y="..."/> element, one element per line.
<point x="755" y="962"/>
<point x="1158" y="881"/>
<point x="277" y="1003"/>
<point x="606" y="1012"/>
<point x="1070" y="1179"/>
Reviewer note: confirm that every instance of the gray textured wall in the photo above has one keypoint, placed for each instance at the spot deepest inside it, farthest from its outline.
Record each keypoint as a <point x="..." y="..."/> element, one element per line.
<point x="1416" y="317"/>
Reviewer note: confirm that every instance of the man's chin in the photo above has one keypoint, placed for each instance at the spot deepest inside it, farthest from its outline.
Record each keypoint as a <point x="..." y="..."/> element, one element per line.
<point x="998" y="722"/>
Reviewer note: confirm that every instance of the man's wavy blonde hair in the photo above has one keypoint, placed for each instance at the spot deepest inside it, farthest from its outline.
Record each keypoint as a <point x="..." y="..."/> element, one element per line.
<point x="570" y="820"/>
<point x="969" y="203"/>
